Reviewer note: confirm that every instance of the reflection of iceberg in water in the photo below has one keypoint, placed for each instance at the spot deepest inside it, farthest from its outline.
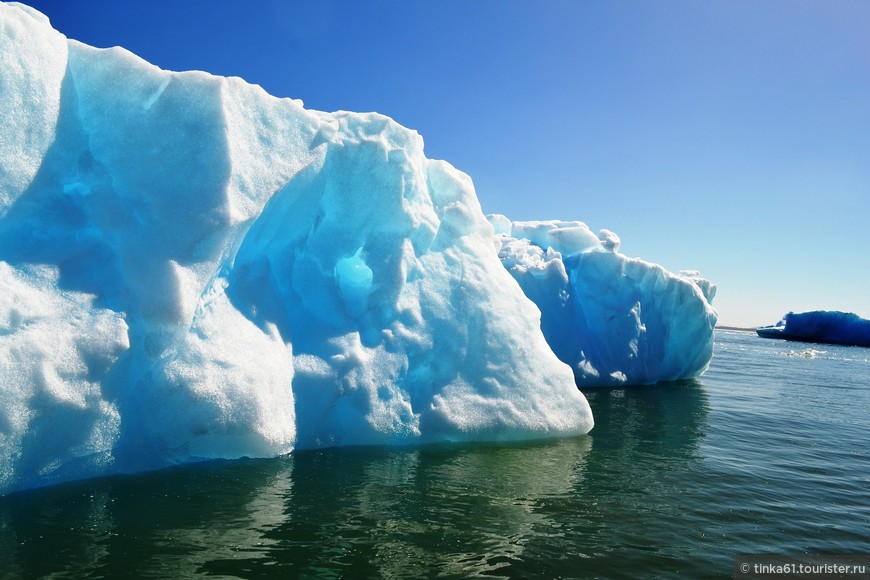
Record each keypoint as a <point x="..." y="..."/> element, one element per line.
<point x="646" y="447"/>
<point x="383" y="512"/>
<point x="171" y="524"/>
<point x="671" y="417"/>
<point x="436" y="510"/>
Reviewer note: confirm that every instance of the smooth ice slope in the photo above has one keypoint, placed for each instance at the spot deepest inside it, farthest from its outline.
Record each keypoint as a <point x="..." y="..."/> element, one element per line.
<point x="191" y="268"/>
<point x="615" y="320"/>
<point x="822" y="326"/>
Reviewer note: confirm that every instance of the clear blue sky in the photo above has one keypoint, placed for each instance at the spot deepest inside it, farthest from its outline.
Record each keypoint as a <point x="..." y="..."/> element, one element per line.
<point x="731" y="137"/>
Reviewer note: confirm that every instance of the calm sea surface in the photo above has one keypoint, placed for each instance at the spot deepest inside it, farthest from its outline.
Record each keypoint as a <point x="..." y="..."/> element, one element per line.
<point x="766" y="453"/>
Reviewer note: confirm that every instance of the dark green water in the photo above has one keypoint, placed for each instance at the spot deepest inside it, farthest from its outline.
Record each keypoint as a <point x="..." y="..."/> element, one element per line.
<point x="766" y="453"/>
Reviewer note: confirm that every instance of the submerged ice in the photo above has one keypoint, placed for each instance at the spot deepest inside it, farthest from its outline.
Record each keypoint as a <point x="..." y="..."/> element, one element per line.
<point x="191" y="268"/>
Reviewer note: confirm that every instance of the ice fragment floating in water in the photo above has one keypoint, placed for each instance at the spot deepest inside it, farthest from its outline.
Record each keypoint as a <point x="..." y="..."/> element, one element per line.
<point x="821" y="326"/>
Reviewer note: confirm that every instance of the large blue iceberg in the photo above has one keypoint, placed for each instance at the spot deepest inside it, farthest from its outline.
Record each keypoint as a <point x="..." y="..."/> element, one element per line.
<point x="191" y="268"/>
<point x="615" y="320"/>
<point x="821" y="326"/>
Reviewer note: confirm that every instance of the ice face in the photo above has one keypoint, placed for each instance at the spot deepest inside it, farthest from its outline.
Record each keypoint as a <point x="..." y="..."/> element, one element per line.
<point x="614" y="319"/>
<point x="193" y="269"/>
<point x="25" y="79"/>
<point x="56" y="354"/>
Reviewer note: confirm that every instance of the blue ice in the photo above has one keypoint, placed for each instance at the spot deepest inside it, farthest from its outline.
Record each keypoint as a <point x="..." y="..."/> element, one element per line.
<point x="615" y="320"/>
<point x="821" y="326"/>
<point x="191" y="268"/>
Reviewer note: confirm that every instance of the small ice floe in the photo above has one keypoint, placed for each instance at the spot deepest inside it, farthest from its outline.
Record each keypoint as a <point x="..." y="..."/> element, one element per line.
<point x="806" y="353"/>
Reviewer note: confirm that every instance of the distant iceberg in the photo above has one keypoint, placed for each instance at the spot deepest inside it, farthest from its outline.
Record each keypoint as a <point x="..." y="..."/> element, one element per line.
<point x="820" y="326"/>
<point x="615" y="320"/>
<point x="191" y="268"/>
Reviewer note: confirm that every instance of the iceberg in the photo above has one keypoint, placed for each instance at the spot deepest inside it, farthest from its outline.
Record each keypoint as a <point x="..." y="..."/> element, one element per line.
<point x="192" y="269"/>
<point x="615" y="320"/>
<point x="821" y="326"/>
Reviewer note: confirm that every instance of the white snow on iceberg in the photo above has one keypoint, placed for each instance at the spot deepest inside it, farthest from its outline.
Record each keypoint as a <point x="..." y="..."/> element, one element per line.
<point x="615" y="320"/>
<point x="191" y="268"/>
